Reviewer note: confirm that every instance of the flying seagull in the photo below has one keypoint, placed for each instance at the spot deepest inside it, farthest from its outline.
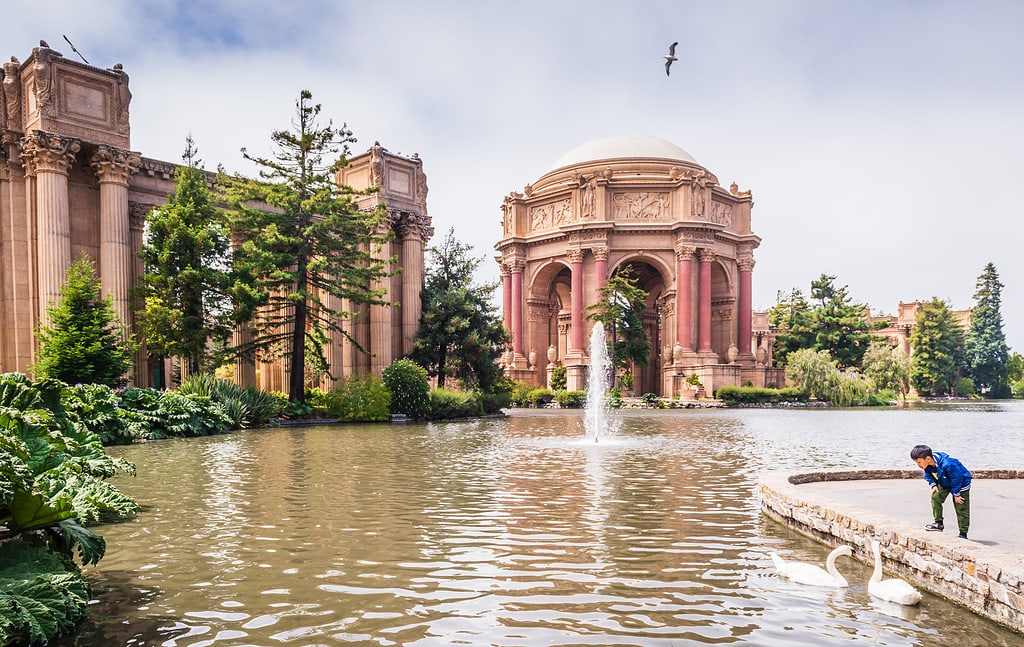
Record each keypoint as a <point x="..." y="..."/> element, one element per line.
<point x="671" y="58"/>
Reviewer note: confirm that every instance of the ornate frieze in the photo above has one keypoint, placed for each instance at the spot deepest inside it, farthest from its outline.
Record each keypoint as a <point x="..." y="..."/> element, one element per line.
<point x="114" y="164"/>
<point x="696" y="237"/>
<point x="553" y="214"/>
<point x="641" y="205"/>
<point x="721" y="213"/>
<point x="43" y="151"/>
<point x="587" y="237"/>
<point x="153" y="167"/>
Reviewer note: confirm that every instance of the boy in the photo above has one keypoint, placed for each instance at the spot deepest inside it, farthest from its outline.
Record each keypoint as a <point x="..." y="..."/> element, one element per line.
<point x="946" y="475"/>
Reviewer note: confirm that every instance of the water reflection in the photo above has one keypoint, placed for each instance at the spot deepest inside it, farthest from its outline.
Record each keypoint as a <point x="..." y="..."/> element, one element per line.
<point x="509" y="532"/>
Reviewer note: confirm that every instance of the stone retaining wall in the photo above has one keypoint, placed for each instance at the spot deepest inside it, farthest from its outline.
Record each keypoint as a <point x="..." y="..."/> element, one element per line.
<point x="986" y="581"/>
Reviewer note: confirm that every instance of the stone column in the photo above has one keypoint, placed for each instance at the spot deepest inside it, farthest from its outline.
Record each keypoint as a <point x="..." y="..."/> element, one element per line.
<point x="382" y="322"/>
<point x="576" y="300"/>
<point x="412" y="281"/>
<point x="600" y="269"/>
<point x="136" y="226"/>
<point x="50" y="156"/>
<point x="707" y="256"/>
<point x="684" y="294"/>
<point x="506" y="296"/>
<point x="114" y="167"/>
<point x="746" y="267"/>
<point x="517" y="267"/>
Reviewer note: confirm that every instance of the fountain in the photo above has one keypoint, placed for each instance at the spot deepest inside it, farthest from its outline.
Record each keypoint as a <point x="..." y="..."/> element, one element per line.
<point x="596" y="420"/>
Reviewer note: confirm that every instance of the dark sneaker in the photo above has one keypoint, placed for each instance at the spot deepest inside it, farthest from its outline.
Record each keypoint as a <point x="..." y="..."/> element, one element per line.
<point x="962" y="535"/>
<point x="935" y="526"/>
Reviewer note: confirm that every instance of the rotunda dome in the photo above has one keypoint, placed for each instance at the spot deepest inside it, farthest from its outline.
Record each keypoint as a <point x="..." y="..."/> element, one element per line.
<point x="622" y="147"/>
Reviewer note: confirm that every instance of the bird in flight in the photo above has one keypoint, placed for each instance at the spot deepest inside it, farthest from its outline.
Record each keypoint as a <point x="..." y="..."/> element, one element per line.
<point x="671" y="58"/>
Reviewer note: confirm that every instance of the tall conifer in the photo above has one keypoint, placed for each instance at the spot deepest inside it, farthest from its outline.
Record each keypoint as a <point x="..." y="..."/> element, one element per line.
<point x="986" y="353"/>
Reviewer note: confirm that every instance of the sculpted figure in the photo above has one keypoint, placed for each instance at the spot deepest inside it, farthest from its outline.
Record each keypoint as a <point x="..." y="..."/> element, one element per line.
<point x="124" y="95"/>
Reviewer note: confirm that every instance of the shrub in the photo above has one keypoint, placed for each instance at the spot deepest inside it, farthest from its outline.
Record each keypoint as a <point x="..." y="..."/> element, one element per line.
<point x="519" y="393"/>
<point x="965" y="387"/>
<point x="558" y="378"/>
<point x="410" y="388"/>
<point x="495" y="402"/>
<point x="613" y="399"/>
<point x="446" y="404"/>
<point x="97" y="407"/>
<point x="651" y="399"/>
<point x="153" y="414"/>
<point x="247" y="407"/>
<point x="359" y="398"/>
<point x="571" y="399"/>
<point x="733" y="395"/>
<point x="792" y="394"/>
<point x="539" y="397"/>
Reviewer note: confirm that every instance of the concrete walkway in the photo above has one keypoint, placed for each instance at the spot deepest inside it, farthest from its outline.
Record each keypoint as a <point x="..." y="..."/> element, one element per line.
<point x="997" y="507"/>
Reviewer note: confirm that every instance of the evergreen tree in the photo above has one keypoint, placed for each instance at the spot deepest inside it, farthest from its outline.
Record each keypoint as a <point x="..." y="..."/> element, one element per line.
<point x="937" y="341"/>
<point x="83" y="342"/>
<point x="834" y="324"/>
<point x="187" y="279"/>
<point x="461" y="334"/>
<point x="304" y="240"/>
<point x="986" y="353"/>
<point x="620" y="307"/>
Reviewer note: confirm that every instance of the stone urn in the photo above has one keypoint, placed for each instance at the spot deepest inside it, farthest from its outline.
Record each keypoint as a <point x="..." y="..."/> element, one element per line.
<point x="533" y="358"/>
<point x="732" y="353"/>
<point x="552" y="354"/>
<point x="677" y="353"/>
<point x="762" y="355"/>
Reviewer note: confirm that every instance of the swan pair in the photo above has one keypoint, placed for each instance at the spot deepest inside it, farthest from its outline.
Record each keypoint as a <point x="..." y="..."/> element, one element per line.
<point x="892" y="590"/>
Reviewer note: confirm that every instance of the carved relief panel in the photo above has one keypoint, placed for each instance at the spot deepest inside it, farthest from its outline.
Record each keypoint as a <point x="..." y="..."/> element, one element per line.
<point x="551" y="215"/>
<point x="721" y="213"/>
<point x="642" y="205"/>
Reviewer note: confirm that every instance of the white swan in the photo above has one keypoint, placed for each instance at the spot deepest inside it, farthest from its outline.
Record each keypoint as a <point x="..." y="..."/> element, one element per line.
<point x="811" y="574"/>
<point x="893" y="590"/>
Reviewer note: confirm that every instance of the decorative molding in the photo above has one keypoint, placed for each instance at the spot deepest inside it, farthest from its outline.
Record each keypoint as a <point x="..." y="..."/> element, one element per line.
<point x="574" y="255"/>
<point x="707" y="255"/>
<point x="685" y="252"/>
<point x="600" y="253"/>
<point x="641" y="205"/>
<point x="696" y="237"/>
<point x="553" y="214"/>
<point x="746" y="264"/>
<point x="43" y="151"/>
<point x="588" y="236"/>
<point x="114" y="164"/>
<point x="722" y="314"/>
<point x="153" y="167"/>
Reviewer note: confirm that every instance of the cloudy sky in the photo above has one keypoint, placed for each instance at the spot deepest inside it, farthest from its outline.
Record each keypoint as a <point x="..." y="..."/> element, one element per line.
<point x="882" y="139"/>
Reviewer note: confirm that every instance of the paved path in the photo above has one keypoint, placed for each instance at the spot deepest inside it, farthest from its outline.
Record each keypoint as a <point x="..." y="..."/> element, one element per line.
<point x="997" y="507"/>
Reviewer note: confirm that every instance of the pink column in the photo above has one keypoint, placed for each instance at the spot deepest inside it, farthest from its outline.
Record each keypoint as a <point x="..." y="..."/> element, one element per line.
<point x="746" y="266"/>
<point x="704" y="314"/>
<point x="684" y="307"/>
<point x="517" y="306"/>
<point x="600" y="269"/>
<point x="506" y="296"/>
<point x="576" y="263"/>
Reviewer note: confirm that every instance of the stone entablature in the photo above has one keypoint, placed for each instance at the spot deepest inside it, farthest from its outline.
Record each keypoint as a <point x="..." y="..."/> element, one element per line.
<point x="649" y="205"/>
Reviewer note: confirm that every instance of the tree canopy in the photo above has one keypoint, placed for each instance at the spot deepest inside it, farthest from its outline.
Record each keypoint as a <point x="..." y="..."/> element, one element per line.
<point x="306" y="252"/>
<point x="461" y="334"/>
<point x="187" y="281"/>
<point x="84" y="340"/>
<point x="620" y="307"/>
<point x="937" y="341"/>
<point x="985" y="352"/>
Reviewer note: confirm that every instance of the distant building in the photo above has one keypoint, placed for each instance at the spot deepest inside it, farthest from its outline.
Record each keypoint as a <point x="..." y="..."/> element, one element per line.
<point x="647" y="203"/>
<point x="70" y="184"/>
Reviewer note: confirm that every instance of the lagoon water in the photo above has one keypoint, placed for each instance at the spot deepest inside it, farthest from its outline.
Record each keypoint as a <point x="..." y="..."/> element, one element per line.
<point x="515" y="531"/>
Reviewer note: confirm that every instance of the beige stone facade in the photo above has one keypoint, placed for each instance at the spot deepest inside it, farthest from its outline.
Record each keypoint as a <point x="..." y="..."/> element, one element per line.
<point x="646" y="203"/>
<point x="70" y="184"/>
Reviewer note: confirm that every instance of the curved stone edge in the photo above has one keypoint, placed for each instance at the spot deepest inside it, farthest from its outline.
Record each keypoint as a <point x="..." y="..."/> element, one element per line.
<point x="987" y="581"/>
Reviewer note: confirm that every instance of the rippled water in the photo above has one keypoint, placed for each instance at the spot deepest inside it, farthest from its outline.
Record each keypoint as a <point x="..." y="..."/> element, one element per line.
<point x="513" y="531"/>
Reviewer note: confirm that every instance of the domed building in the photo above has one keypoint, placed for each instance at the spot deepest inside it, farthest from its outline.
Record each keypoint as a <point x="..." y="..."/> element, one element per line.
<point x="646" y="203"/>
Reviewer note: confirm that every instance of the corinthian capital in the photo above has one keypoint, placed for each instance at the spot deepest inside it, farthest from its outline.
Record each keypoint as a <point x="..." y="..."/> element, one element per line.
<point x="746" y="264"/>
<point x="47" y="152"/>
<point x="575" y="255"/>
<point x="685" y="252"/>
<point x="707" y="255"/>
<point x="114" y="164"/>
<point x="600" y="253"/>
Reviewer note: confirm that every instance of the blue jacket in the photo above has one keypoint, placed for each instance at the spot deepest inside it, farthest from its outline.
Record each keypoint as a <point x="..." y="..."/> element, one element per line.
<point x="949" y="473"/>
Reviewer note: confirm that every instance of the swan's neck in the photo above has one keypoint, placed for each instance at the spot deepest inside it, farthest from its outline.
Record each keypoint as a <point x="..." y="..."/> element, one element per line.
<point x="830" y="566"/>
<point x="876" y="575"/>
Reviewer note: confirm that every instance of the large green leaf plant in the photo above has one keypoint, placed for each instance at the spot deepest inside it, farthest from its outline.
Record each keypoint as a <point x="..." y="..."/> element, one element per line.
<point x="53" y="473"/>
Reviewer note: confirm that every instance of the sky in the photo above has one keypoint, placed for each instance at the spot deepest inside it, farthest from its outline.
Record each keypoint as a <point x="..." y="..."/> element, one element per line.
<point x="881" y="139"/>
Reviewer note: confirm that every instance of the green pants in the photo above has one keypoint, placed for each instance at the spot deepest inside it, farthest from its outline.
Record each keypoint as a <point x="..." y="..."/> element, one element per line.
<point x="963" y="510"/>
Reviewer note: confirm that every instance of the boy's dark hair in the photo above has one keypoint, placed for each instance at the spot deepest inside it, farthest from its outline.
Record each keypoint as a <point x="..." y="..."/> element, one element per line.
<point x="920" y="451"/>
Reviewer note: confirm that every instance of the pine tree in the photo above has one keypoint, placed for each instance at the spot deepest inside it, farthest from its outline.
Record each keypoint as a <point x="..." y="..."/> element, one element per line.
<point x="461" y="334"/>
<point x="304" y="239"/>
<point x="83" y="342"/>
<point x="937" y="341"/>
<point x="187" y="279"/>
<point x="986" y="353"/>
<point x="792" y="316"/>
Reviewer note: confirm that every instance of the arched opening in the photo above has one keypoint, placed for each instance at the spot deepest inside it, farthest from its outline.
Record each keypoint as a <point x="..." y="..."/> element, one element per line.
<point x="650" y="279"/>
